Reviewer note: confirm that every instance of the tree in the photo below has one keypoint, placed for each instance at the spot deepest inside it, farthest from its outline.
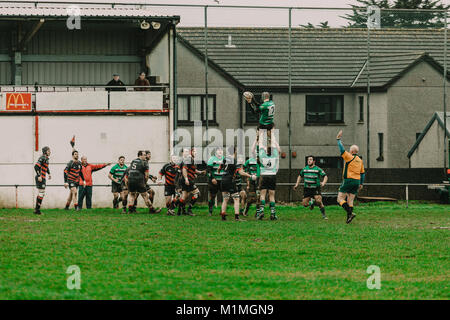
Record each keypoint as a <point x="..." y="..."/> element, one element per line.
<point x="404" y="19"/>
<point x="322" y="25"/>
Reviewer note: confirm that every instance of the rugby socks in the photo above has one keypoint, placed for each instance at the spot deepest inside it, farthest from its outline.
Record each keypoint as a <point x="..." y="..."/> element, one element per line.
<point x="182" y="206"/>
<point x="261" y="207"/>
<point x="67" y="205"/>
<point x="247" y="208"/>
<point x="38" y="202"/>
<point x="322" y="210"/>
<point x="192" y="202"/>
<point x="210" y="206"/>
<point x="124" y="202"/>
<point x="345" y="205"/>
<point x="272" y="208"/>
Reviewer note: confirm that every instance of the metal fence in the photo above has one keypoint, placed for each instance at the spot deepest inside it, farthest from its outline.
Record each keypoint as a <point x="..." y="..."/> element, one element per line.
<point x="378" y="46"/>
<point x="284" y="184"/>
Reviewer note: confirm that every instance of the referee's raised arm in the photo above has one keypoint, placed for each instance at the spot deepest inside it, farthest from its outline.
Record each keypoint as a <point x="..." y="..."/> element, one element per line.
<point x="339" y="142"/>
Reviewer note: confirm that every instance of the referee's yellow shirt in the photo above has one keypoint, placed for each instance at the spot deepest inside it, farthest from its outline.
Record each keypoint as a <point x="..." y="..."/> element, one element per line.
<point x="353" y="166"/>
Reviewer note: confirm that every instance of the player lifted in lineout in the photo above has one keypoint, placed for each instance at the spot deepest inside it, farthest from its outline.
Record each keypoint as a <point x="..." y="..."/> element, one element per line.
<point x="231" y="169"/>
<point x="353" y="177"/>
<point x="72" y="174"/>
<point x="41" y="168"/>
<point x="312" y="185"/>
<point x="169" y="171"/>
<point x="266" y="109"/>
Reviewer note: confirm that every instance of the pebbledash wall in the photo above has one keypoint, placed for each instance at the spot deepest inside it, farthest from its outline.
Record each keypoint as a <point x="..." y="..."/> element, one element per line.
<point x="102" y="138"/>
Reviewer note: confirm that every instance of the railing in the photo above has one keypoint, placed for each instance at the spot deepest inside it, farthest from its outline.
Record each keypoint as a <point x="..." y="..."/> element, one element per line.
<point x="406" y="185"/>
<point x="108" y="98"/>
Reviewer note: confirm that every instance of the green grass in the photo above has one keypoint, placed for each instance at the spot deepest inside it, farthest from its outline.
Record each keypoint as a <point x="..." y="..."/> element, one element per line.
<point x="300" y="256"/>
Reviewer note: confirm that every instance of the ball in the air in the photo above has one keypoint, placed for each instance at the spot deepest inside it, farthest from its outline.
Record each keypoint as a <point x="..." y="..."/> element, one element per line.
<point x="248" y="95"/>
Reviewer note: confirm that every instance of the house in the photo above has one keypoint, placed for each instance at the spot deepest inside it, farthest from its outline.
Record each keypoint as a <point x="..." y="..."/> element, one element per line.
<point x="329" y="86"/>
<point x="428" y="150"/>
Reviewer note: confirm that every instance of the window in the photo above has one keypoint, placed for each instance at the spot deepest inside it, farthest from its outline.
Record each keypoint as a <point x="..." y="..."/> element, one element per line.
<point x="250" y="116"/>
<point x="361" y="108"/>
<point x="327" y="162"/>
<point x="380" y="147"/>
<point x="193" y="108"/>
<point x="324" y="109"/>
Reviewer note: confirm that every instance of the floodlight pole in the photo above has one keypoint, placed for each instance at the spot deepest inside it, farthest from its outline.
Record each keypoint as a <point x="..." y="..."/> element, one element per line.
<point x="289" y="101"/>
<point x="445" y="94"/>
<point x="206" y="73"/>
<point x="368" y="97"/>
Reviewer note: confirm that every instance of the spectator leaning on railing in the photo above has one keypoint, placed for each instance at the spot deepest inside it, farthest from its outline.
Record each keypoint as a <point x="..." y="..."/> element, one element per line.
<point x="115" y="82"/>
<point x="143" y="82"/>
<point x="85" y="186"/>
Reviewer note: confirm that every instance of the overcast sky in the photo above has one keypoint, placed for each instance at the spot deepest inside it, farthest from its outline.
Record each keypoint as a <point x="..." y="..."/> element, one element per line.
<point x="248" y="17"/>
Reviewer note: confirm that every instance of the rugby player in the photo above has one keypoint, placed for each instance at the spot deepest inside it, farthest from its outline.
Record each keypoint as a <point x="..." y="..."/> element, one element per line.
<point x="148" y="188"/>
<point x="189" y="174"/>
<point x="214" y="177"/>
<point x="240" y="187"/>
<point x="41" y="168"/>
<point x="72" y="175"/>
<point x="137" y="177"/>
<point x="251" y="166"/>
<point x="231" y="169"/>
<point x="353" y="177"/>
<point x="150" y="191"/>
<point x="312" y="185"/>
<point x="169" y="172"/>
<point x="269" y="166"/>
<point x="267" y="113"/>
<point x="116" y="175"/>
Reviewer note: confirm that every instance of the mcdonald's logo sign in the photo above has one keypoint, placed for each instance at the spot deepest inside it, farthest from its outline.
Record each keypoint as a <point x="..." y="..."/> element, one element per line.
<point x="18" y="101"/>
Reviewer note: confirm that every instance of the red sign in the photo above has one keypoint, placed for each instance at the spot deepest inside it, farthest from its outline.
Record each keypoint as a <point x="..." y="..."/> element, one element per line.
<point x="18" y="101"/>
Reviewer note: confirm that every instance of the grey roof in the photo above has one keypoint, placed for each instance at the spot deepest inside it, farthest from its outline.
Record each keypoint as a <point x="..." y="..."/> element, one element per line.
<point x="439" y="117"/>
<point x="106" y="11"/>
<point x="326" y="58"/>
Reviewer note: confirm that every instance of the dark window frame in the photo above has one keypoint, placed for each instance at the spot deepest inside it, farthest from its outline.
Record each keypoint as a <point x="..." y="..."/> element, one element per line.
<point x="380" y="147"/>
<point x="326" y="122"/>
<point x="202" y="111"/>
<point x="361" y="108"/>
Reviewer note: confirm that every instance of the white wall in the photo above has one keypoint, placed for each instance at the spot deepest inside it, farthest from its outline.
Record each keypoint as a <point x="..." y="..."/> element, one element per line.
<point x="101" y="138"/>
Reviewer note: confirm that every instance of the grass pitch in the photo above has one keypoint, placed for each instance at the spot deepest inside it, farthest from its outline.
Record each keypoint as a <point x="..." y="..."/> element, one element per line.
<point x="300" y="256"/>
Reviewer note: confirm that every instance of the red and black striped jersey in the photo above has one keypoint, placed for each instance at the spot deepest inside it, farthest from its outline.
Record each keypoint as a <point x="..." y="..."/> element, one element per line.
<point x="169" y="171"/>
<point x="72" y="172"/>
<point x="41" y="167"/>
<point x="191" y="169"/>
